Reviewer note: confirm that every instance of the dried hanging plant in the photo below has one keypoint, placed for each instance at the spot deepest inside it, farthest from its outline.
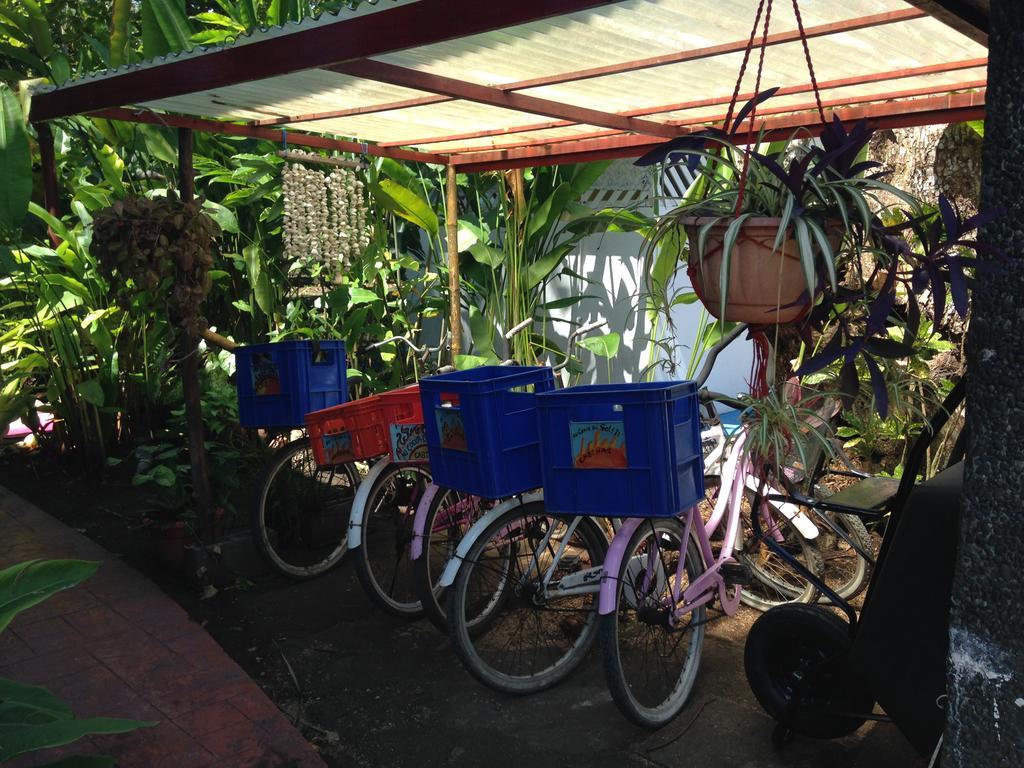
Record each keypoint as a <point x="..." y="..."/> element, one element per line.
<point x="162" y="247"/>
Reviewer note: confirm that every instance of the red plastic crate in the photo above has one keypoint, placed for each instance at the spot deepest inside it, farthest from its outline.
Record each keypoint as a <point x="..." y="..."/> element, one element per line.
<point x="350" y="432"/>
<point x="404" y="417"/>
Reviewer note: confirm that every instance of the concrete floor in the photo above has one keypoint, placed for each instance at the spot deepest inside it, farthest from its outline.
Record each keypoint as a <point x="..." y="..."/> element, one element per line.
<point x="376" y="691"/>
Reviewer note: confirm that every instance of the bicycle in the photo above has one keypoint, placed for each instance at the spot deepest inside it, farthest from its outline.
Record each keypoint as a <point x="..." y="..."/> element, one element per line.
<point x="298" y="517"/>
<point x="445" y="515"/>
<point x="380" y="525"/>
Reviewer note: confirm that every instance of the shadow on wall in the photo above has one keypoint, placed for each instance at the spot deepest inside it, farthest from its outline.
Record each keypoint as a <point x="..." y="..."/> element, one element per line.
<point x="614" y="285"/>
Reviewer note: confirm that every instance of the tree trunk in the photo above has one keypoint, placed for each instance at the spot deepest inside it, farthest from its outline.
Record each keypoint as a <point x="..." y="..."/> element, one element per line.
<point x="985" y="725"/>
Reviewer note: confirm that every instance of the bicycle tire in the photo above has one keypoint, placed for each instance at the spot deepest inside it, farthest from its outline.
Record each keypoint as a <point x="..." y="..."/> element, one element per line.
<point x="635" y="698"/>
<point x="844" y="570"/>
<point x="439" y="546"/>
<point x="513" y="601"/>
<point x="293" y="498"/>
<point x="387" y="529"/>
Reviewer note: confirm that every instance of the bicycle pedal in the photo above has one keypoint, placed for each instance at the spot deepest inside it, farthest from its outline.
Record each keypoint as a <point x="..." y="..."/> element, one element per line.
<point x="736" y="574"/>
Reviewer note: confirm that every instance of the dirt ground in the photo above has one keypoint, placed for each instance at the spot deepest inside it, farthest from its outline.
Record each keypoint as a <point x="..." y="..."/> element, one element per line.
<point x="371" y="690"/>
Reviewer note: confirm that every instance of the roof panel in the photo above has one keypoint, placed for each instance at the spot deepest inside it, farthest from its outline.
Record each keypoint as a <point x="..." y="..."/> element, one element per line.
<point x="613" y="35"/>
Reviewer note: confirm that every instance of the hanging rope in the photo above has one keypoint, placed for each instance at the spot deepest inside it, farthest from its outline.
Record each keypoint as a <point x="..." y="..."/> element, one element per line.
<point x="762" y="347"/>
<point x="753" y="110"/>
<point x="807" y="56"/>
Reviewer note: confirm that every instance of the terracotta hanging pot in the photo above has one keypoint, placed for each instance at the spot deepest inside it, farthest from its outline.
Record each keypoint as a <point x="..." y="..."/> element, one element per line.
<point x="766" y="286"/>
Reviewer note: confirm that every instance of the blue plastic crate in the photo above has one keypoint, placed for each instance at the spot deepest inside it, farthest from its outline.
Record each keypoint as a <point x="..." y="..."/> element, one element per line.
<point x="481" y="428"/>
<point x="621" y="450"/>
<point x="278" y="384"/>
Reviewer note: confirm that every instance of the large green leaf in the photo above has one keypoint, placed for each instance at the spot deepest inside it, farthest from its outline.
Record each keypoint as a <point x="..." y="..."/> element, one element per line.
<point x="487" y="255"/>
<point x="357" y="296"/>
<point x="91" y="391"/>
<point x="27" y="584"/>
<point x="546" y="264"/>
<point x="483" y="332"/>
<point x="165" y="27"/>
<point x="281" y="11"/>
<point x="602" y="346"/>
<point x="225" y="217"/>
<point x="23" y="703"/>
<point x="547" y="213"/>
<point x="40" y="27"/>
<point x="18" y="741"/>
<point x="585" y="175"/>
<point x="404" y="202"/>
<point x="15" y="162"/>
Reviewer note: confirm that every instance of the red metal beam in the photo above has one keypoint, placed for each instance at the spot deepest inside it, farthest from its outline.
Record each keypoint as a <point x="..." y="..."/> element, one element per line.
<point x="712" y="119"/>
<point x="693" y="54"/>
<point x="495" y="97"/>
<point x="406" y="26"/>
<point x="824" y="85"/>
<point x="934" y="110"/>
<point x="269" y="134"/>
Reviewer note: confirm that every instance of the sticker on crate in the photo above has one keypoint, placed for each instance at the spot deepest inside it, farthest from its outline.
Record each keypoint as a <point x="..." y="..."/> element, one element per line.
<point x="266" y="380"/>
<point x="598" y="444"/>
<point x="337" y="447"/>
<point x="408" y="442"/>
<point x="451" y="429"/>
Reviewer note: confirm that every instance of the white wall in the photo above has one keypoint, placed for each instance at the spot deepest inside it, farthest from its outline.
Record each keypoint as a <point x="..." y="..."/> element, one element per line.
<point x="613" y="261"/>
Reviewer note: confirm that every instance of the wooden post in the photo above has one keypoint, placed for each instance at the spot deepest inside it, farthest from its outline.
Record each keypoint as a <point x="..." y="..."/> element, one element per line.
<point x="188" y="367"/>
<point x="452" y="222"/>
<point x="51" y="194"/>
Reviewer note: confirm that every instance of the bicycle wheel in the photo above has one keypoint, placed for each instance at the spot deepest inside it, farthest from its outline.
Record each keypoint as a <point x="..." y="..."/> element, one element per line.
<point x="651" y="656"/>
<point x="449" y="517"/>
<point x="844" y="571"/>
<point x="513" y="633"/>
<point x="383" y="562"/>
<point x="774" y="579"/>
<point x="300" y="517"/>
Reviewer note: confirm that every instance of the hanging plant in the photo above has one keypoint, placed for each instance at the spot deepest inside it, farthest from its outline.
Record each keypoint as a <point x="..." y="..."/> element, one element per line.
<point x="809" y="233"/>
<point x="162" y="248"/>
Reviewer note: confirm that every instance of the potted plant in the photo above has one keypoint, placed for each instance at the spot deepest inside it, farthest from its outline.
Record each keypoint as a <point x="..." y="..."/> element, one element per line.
<point x="834" y="250"/>
<point x="769" y="225"/>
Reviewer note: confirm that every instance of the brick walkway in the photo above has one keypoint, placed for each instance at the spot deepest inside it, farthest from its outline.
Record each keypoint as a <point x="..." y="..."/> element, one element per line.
<point x="118" y="646"/>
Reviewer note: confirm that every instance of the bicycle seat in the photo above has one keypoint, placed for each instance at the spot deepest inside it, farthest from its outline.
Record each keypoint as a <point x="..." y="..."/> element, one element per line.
<point x="871" y="493"/>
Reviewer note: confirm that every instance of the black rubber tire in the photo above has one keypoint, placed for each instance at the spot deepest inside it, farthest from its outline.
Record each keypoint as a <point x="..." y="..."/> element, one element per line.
<point x="796" y="660"/>
<point x="466" y="641"/>
<point x="627" y="701"/>
<point x="406" y="604"/>
<point x="427" y="572"/>
<point x="344" y="479"/>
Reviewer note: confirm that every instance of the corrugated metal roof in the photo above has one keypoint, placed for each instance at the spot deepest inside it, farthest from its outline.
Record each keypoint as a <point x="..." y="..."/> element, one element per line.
<point x="898" y="55"/>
